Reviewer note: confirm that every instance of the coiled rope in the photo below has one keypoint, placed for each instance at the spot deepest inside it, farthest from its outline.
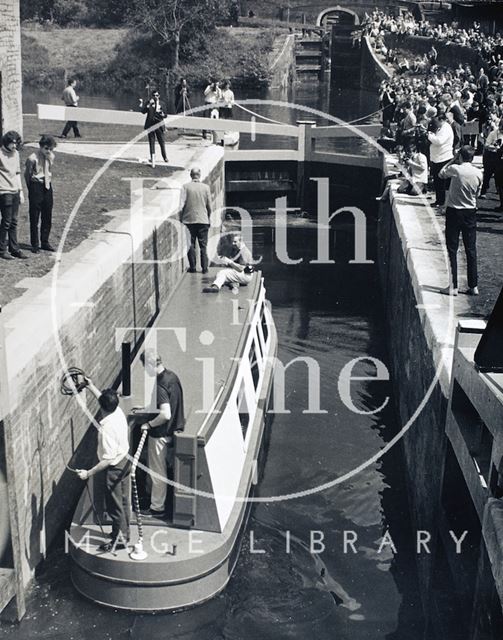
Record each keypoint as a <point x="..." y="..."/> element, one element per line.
<point x="73" y="381"/>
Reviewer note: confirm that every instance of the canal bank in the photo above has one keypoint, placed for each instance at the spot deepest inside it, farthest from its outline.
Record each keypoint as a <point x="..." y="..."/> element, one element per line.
<point x="116" y="280"/>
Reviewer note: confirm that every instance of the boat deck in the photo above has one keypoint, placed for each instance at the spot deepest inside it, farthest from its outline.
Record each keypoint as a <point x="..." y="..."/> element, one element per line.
<point x="194" y="326"/>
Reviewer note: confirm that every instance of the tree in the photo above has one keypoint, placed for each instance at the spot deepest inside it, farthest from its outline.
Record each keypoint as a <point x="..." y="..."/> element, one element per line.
<point x="176" y="20"/>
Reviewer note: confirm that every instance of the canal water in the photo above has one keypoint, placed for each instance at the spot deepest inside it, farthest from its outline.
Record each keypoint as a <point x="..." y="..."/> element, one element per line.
<point x="332" y="314"/>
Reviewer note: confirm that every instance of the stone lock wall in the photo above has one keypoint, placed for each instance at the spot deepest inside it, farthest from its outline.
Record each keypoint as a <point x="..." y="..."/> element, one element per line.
<point x="10" y="67"/>
<point x="102" y="285"/>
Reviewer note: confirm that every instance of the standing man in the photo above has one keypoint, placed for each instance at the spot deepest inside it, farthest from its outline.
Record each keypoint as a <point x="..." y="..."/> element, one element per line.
<point x="441" y="137"/>
<point x="212" y="96"/>
<point x="196" y="215"/>
<point x="156" y="112"/>
<point x="170" y="419"/>
<point x="11" y="195"/>
<point x="460" y="216"/>
<point x="71" y="99"/>
<point x="38" y="177"/>
<point x="113" y="450"/>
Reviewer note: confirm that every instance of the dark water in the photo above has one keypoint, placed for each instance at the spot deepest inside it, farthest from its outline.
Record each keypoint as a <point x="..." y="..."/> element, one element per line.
<point x="333" y="314"/>
<point x="306" y="100"/>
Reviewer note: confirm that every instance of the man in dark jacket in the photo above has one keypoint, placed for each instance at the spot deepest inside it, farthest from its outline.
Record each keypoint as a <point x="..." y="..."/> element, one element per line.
<point x="156" y="112"/>
<point x="196" y="214"/>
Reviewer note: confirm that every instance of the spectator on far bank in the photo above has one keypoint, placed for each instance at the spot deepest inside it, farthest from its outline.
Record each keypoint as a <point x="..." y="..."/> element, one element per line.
<point x="38" y="178"/>
<point x="71" y="99"/>
<point x="441" y="139"/>
<point x="182" y="96"/>
<point x="227" y="97"/>
<point x="461" y="215"/>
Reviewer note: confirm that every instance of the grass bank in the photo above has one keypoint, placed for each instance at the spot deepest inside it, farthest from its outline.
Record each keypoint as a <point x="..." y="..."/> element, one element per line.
<point x="108" y="59"/>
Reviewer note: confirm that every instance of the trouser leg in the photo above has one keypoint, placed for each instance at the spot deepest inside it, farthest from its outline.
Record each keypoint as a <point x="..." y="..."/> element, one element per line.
<point x="66" y="128"/>
<point x="75" y="128"/>
<point x="440" y="184"/>
<point x="160" y="139"/>
<point x="158" y="464"/>
<point x="452" y="229"/>
<point x="9" y="207"/>
<point x="46" y="216"/>
<point x="202" y="238"/>
<point x="191" y="254"/>
<point x="489" y="165"/>
<point x="469" y="234"/>
<point x="35" y="197"/>
<point x="118" y="499"/>
<point x="151" y="143"/>
<point x="231" y="276"/>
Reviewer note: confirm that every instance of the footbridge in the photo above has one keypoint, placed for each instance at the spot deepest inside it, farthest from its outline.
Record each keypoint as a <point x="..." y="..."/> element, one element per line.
<point x="296" y="152"/>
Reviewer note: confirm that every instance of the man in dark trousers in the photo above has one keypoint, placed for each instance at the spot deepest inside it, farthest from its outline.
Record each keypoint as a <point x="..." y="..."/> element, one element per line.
<point x="461" y="215"/>
<point x="38" y="177"/>
<point x="170" y="419"/>
<point x="71" y="99"/>
<point x="113" y="459"/>
<point x="196" y="215"/>
<point x="156" y="112"/>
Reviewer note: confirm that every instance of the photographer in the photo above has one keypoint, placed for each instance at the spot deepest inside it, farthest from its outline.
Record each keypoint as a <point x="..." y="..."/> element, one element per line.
<point x="182" y="96"/>
<point x="156" y="112"/>
<point x="239" y="269"/>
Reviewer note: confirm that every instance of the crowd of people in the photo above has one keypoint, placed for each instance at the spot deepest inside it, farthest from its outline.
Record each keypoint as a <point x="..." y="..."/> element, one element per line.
<point x="426" y="107"/>
<point x="379" y="23"/>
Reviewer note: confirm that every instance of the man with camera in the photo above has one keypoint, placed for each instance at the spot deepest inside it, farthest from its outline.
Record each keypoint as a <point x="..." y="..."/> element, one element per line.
<point x="239" y="269"/>
<point x="156" y="112"/>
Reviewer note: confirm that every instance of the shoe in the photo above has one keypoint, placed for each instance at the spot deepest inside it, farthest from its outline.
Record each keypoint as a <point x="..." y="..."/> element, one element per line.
<point x="205" y="271"/>
<point x="6" y="256"/>
<point x="79" y="136"/>
<point x="20" y="255"/>
<point x="152" y="513"/>
<point x="191" y="270"/>
<point x="62" y="136"/>
<point x="449" y="291"/>
<point x="111" y="546"/>
<point x="35" y="249"/>
<point x="212" y="289"/>
<point x="48" y="247"/>
<point x="165" y="160"/>
<point x="473" y="291"/>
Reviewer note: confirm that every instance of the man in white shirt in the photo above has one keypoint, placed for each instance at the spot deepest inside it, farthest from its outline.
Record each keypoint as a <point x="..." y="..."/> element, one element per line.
<point x="113" y="459"/>
<point x="441" y="137"/>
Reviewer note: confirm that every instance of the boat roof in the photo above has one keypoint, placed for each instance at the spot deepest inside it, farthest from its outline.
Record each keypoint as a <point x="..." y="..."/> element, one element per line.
<point x="194" y="325"/>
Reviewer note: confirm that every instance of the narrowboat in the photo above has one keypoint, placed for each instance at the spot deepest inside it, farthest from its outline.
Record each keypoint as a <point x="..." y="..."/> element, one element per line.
<point x="229" y="338"/>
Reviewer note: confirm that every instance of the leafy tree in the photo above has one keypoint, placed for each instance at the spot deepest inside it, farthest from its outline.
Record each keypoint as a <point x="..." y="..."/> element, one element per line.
<point x="176" y="21"/>
<point x="109" y="12"/>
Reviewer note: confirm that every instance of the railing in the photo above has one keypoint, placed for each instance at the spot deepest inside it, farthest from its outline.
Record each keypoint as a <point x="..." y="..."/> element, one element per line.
<point x="305" y="131"/>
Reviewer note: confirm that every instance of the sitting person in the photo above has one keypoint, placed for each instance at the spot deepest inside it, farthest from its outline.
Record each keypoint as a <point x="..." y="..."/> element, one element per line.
<point x="239" y="269"/>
